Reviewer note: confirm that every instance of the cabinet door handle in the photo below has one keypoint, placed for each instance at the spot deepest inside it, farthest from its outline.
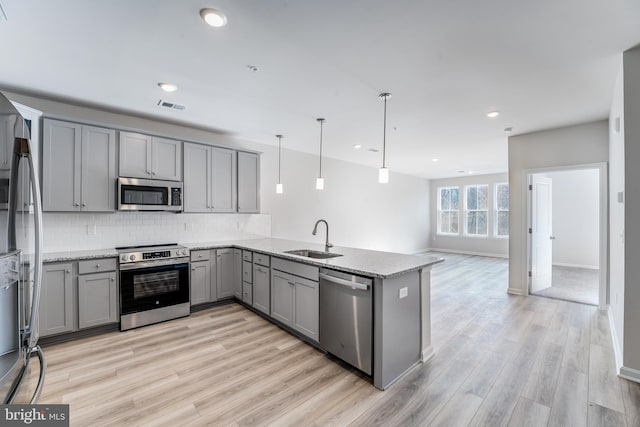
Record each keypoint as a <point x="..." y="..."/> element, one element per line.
<point x="291" y="283"/>
<point x="113" y="280"/>
<point x="67" y="271"/>
<point x="76" y="204"/>
<point x="97" y="265"/>
<point x="84" y="205"/>
<point x="153" y="173"/>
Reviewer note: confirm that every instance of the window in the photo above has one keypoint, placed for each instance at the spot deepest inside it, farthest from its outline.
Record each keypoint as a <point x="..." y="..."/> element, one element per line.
<point x="501" y="227"/>
<point x="476" y="210"/>
<point x="448" y="210"/>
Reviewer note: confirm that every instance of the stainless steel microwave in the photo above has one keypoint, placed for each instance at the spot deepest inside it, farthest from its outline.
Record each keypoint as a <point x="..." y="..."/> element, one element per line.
<point x="149" y="195"/>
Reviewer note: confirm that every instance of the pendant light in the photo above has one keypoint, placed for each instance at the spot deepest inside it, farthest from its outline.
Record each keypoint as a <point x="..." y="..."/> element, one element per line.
<point x="320" y="179"/>
<point x="279" y="188"/>
<point x="383" y="172"/>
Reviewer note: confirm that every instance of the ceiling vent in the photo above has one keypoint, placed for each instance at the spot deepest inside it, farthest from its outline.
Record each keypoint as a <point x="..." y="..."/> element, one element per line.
<point x="171" y="105"/>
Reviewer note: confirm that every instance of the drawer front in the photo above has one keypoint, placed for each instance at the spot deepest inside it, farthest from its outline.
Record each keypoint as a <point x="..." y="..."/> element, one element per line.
<point x="97" y="265"/>
<point x="298" y="269"/>
<point x="261" y="259"/>
<point x="246" y="255"/>
<point x="201" y="255"/>
<point x="247" y="272"/>
<point x="247" y="293"/>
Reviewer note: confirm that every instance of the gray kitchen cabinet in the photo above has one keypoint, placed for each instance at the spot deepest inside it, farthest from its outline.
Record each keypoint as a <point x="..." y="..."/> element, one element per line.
<point x="223" y="175"/>
<point x="197" y="178"/>
<point x="56" y="299"/>
<point x="282" y="288"/>
<point x="261" y="288"/>
<point x="200" y="282"/>
<point x="97" y="299"/>
<point x="295" y="300"/>
<point x="248" y="182"/>
<point x="306" y="307"/>
<point x="209" y="179"/>
<point x="225" y="273"/>
<point x="237" y="273"/>
<point x="247" y="293"/>
<point x="150" y="157"/>
<point x="78" y="167"/>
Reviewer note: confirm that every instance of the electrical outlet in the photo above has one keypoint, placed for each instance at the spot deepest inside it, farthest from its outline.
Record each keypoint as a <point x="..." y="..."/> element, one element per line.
<point x="188" y="226"/>
<point x="91" y="230"/>
<point x="403" y="292"/>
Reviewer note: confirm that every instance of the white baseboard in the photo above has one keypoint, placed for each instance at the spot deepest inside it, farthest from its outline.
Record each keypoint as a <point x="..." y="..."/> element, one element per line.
<point x="587" y="267"/>
<point x="516" y="291"/>
<point x="614" y="337"/>
<point x="630" y="374"/>
<point x="454" y="251"/>
<point x="427" y="354"/>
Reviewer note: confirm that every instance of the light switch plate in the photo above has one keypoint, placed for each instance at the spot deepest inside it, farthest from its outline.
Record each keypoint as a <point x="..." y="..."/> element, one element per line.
<point x="403" y="292"/>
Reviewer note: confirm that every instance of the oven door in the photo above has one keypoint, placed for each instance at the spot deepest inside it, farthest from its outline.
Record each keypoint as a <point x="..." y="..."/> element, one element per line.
<point x="154" y="284"/>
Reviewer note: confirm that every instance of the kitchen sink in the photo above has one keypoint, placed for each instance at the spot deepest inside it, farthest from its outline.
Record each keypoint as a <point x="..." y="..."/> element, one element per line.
<point x="312" y="254"/>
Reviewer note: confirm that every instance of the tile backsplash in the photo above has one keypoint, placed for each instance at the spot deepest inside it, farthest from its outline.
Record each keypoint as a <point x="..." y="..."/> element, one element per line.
<point x="72" y="232"/>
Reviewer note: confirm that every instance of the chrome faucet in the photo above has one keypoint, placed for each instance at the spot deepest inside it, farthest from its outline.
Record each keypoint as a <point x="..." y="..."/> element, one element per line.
<point x="327" y="245"/>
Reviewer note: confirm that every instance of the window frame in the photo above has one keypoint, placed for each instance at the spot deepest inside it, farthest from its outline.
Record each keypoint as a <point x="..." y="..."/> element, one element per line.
<point x="467" y="210"/>
<point x="439" y="231"/>
<point x="496" y="210"/>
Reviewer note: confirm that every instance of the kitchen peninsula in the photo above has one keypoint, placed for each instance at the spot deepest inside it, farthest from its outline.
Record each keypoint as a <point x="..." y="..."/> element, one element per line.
<point x="400" y="294"/>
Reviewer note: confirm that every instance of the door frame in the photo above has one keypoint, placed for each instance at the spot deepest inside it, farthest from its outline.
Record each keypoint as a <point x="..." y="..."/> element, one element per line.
<point x="603" y="293"/>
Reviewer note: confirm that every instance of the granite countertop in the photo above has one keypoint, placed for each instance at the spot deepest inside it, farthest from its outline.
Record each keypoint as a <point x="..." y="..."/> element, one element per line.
<point x="357" y="261"/>
<point x="79" y="255"/>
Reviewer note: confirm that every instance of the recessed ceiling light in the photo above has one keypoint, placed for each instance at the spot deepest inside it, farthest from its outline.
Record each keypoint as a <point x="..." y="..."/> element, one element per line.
<point x="435" y="160"/>
<point x="493" y="114"/>
<point x="168" y="87"/>
<point x="213" y="17"/>
<point x="357" y="146"/>
<point x="253" y="68"/>
<point x="508" y="130"/>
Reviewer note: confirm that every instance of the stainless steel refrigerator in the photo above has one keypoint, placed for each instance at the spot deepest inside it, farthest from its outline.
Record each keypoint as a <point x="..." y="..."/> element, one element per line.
<point x="20" y="255"/>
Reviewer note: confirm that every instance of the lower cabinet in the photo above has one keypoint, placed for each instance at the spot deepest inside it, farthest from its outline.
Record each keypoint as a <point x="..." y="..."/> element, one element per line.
<point x="200" y="282"/>
<point x="97" y="299"/>
<point x="295" y="301"/>
<point x="225" y="260"/>
<point x="56" y="299"/>
<point x="237" y="273"/>
<point x="247" y="293"/>
<point x="78" y="295"/>
<point x="261" y="288"/>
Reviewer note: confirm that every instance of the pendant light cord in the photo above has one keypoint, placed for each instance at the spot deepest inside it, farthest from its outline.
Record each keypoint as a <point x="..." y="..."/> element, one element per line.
<point x="384" y="135"/>
<point x="279" y="155"/>
<point x="321" y="122"/>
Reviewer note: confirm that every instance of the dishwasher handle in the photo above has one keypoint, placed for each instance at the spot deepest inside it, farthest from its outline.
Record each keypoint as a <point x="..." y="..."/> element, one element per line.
<point x="343" y="282"/>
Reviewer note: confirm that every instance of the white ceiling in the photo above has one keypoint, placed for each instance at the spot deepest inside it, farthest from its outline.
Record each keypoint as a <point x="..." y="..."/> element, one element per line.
<point x="542" y="63"/>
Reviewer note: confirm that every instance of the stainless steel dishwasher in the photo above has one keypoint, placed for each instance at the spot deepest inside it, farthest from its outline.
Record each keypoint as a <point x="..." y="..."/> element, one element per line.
<point x="346" y="317"/>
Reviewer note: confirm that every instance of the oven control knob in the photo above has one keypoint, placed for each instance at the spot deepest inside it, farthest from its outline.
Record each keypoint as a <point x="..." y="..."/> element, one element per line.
<point x="184" y="252"/>
<point x="123" y="258"/>
<point x="132" y="257"/>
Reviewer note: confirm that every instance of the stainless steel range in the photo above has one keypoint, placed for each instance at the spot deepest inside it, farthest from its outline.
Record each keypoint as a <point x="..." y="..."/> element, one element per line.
<point x="154" y="284"/>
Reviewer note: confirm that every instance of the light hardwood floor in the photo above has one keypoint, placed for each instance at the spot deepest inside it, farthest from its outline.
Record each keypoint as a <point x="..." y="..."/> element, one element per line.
<point x="500" y="360"/>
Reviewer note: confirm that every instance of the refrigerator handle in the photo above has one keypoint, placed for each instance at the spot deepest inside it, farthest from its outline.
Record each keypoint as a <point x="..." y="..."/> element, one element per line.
<point x="31" y="330"/>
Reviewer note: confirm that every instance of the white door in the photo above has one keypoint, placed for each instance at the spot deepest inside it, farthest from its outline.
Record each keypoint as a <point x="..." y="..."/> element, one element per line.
<point x="541" y="237"/>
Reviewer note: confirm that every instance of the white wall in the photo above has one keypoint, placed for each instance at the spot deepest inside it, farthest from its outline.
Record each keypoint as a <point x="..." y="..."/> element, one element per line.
<point x="489" y="246"/>
<point x="360" y="212"/>
<point x="576" y="218"/>
<point x="616" y="217"/>
<point x="631" y="354"/>
<point x="573" y="145"/>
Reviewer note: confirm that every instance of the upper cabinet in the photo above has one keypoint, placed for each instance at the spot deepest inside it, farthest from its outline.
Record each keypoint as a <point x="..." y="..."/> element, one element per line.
<point x="78" y="167"/>
<point x="144" y="156"/>
<point x="248" y="182"/>
<point x="209" y="179"/>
